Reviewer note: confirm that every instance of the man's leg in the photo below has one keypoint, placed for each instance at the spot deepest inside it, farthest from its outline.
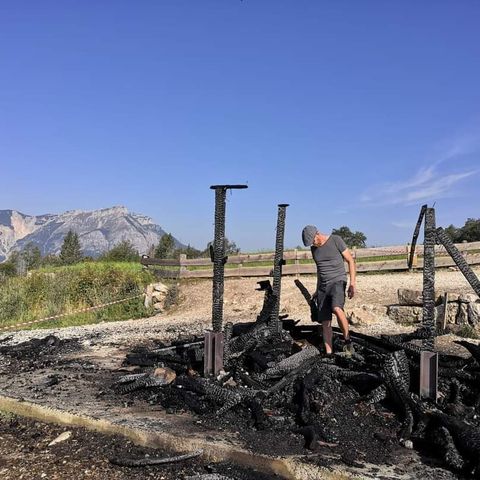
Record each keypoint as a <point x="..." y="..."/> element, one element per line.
<point x="327" y="336"/>
<point x="342" y="322"/>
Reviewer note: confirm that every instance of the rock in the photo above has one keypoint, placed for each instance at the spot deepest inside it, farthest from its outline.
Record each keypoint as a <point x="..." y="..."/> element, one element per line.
<point x="167" y="374"/>
<point x="473" y="310"/>
<point x="452" y="297"/>
<point x="405" y="313"/>
<point x="231" y="382"/>
<point x="148" y="296"/>
<point x="409" y="297"/>
<point x="61" y="438"/>
<point x="468" y="298"/>
<point x="160" y="287"/>
<point x="158" y="296"/>
<point x="462" y="315"/>
<point x="452" y="312"/>
<point x="158" y="306"/>
<point x="364" y="314"/>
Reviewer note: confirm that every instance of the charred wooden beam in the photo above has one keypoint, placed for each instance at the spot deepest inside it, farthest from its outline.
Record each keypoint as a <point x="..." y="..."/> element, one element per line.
<point x="429" y="279"/>
<point x="415" y="236"/>
<point x="277" y="268"/>
<point x="459" y="260"/>
<point x="219" y="258"/>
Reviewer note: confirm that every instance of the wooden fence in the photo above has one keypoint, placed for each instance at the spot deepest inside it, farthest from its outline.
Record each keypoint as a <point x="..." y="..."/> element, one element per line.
<point x="300" y="262"/>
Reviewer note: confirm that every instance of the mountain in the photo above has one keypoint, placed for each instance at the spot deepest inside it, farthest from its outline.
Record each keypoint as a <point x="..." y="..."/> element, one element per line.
<point x="98" y="230"/>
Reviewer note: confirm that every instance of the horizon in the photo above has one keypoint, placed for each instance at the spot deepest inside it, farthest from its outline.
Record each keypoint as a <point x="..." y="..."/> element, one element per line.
<point x="353" y="114"/>
<point x="200" y="247"/>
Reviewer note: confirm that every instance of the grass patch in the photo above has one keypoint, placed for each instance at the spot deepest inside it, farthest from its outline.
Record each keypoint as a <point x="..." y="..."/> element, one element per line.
<point x="56" y="290"/>
<point x="467" y="331"/>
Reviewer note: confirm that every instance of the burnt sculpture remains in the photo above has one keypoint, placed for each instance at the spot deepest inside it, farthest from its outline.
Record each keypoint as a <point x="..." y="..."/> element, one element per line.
<point x="364" y="407"/>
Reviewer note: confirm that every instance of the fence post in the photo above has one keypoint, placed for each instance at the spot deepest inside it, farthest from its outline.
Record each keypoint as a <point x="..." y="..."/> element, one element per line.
<point x="297" y="263"/>
<point x="183" y="268"/>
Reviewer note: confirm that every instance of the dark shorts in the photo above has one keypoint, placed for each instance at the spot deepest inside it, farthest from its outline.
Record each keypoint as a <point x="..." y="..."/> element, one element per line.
<point x="329" y="297"/>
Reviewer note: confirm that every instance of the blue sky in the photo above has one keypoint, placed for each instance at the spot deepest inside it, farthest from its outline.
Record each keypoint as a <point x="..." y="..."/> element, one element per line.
<point x="354" y="113"/>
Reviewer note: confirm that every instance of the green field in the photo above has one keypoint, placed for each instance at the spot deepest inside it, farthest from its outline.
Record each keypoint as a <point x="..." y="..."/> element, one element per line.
<point x="57" y="290"/>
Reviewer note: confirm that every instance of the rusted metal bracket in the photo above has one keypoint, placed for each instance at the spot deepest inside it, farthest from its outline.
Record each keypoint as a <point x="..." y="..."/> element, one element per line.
<point x="213" y="353"/>
<point x="429" y="375"/>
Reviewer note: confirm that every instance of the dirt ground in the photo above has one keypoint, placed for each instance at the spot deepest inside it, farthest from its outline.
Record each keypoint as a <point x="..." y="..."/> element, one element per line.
<point x="75" y="376"/>
<point x="26" y="454"/>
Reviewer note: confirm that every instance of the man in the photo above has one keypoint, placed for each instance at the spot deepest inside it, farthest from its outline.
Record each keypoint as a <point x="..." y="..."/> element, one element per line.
<point x="329" y="253"/>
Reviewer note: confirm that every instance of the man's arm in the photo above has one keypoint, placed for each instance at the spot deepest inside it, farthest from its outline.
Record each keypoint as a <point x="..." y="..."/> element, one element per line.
<point x="351" y="270"/>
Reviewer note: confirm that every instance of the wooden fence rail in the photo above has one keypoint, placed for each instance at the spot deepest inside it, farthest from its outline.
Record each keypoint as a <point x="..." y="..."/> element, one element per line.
<point x="300" y="262"/>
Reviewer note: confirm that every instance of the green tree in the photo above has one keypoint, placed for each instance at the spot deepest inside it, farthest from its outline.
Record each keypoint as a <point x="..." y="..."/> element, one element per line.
<point x="71" y="251"/>
<point x="352" y="239"/>
<point x="123" y="251"/>
<point x="189" y="251"/>
<point x="32" y="256"/>
<point x="470" y="232"/>
<point x="165" y="247"/>
<point x="453" y="232"/>
<point x="230" y="248"/>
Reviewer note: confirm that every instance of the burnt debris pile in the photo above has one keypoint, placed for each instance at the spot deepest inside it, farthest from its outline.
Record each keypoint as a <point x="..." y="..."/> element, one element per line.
<point x="282" y="394"/>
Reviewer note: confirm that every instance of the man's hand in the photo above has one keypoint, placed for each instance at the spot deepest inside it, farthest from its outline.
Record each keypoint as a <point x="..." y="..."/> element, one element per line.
<point x="351" y="291"/>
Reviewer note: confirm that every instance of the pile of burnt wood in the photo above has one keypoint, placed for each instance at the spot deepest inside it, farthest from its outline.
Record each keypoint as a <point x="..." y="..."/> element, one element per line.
<point x="285" y="373"/>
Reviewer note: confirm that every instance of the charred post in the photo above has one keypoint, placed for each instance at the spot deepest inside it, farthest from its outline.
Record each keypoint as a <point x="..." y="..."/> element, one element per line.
<point x="214" y="340"/>
<point x="429" y="280"/>
<point x="219" y="259"/>
<point x="415" y="236"/>
<point x="457" y="257"/>
<point x="275" y="322"/>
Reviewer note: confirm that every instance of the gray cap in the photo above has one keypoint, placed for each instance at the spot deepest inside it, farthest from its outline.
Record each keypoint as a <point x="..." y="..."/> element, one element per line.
<point x="308" y="234"/>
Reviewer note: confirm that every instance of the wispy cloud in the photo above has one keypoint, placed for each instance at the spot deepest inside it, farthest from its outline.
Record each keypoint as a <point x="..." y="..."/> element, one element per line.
<point x="429" y="183"/>
<point x="402" y="224"/>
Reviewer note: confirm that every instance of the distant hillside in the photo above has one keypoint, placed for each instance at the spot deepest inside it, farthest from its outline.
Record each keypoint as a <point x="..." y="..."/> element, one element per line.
<point x="98" y="230"/>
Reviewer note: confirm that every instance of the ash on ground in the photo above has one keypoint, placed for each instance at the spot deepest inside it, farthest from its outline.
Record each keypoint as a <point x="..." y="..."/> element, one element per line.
<point x="284" y="397"/>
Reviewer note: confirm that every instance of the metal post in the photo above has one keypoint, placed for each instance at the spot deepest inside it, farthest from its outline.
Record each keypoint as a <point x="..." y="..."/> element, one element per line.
<point x="429" y="279"/>
<point x="429" y="375"/>
<point x="277" y="267"/>
<point x="213" y="358"/>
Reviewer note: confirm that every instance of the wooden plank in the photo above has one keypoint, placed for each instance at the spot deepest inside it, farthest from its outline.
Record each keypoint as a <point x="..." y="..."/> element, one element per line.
<point x="310" y="268"/>
<point x="166" y="262"/>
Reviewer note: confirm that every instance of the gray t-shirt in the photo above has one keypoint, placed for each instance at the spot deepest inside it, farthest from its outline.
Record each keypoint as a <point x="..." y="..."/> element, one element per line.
<point x="329" y="260"/>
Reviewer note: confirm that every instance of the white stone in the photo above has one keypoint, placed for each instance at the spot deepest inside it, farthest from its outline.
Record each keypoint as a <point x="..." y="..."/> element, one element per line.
<point x="452" y="312"/>
<point x="160" y="287"/>
<point x="61" y="438"/>
<point x="468" y="297"/>
<point x="405" y="313"/>
<point x="462" y="315"/>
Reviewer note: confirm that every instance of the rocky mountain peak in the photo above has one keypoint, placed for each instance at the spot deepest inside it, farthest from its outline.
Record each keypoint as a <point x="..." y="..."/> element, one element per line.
<point x="98" y="230"/>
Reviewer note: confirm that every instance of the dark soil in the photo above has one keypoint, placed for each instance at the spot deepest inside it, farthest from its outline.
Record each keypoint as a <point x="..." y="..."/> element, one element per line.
<point x="25" y="454"/>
